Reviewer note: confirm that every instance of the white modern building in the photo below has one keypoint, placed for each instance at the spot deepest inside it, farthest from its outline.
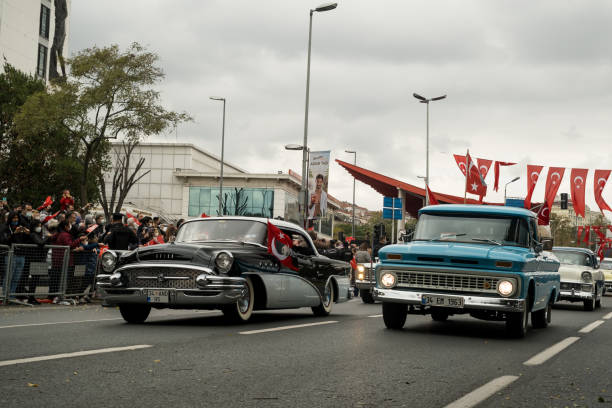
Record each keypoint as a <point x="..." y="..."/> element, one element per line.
<point x="34" y="35"/>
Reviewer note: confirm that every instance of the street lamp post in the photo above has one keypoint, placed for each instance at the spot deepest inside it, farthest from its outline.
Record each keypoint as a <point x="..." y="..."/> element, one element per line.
<point x="218" y="98"/>
<point x="323" y="7"/>
<point x="506" y="186"/>
<point x="426" y="101"/>
<point x="355" y="163"/>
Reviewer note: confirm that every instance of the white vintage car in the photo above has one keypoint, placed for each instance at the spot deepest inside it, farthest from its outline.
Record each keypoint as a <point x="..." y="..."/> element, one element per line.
<point x="581" y="278"/>
<point x="606" y="268"/>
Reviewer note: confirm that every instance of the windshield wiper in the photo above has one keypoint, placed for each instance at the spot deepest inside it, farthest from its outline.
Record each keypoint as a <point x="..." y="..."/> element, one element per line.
<point x="443" y="238"/>
<point x="491" y="241"/>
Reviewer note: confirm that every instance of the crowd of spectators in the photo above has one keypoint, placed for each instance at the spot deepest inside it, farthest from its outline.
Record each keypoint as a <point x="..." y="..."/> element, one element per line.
<point x="84" y="231"/>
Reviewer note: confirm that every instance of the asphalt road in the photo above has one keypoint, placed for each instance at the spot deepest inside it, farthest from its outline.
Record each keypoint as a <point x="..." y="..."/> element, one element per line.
<point x="349" y="359"/>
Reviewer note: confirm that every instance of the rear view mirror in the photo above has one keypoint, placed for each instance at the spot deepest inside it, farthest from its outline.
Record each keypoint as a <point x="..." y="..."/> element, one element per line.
<point x="547" y="244"/>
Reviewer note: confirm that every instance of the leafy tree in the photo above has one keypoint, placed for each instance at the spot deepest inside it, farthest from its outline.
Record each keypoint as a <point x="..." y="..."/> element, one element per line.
<point x="107" y="95"/>
<point x="364" y="231"/>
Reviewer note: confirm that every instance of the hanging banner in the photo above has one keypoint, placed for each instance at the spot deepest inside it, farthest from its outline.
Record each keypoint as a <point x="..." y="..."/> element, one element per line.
<point x="497" y="164"/>
<point x="533" y="174"/>
<point x="599" y="180"/>
<point x="577" y="184"/>
<point x="553" y="182"/>
<point x="318" y="173"/>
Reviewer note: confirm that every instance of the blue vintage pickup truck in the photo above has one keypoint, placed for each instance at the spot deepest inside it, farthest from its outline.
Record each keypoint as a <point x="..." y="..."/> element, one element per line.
<point x="488" y="261"/>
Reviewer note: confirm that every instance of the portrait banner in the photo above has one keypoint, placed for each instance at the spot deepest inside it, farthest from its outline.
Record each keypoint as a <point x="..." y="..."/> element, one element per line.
<point x="318" y="173"/>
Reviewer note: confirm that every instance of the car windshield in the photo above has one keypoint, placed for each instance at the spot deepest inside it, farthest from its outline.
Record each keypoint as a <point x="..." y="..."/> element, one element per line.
<point x="223" y="230"/>
<point x="605" y="264"/>
<point x="573" y="258"/>
<point x="474" y="229"/>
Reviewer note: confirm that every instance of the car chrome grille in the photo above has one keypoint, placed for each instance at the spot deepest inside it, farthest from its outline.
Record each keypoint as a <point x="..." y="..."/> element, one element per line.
<point x="570" y="286"/>
<point x="447" y="281"/>
<point x="152" y="277"/>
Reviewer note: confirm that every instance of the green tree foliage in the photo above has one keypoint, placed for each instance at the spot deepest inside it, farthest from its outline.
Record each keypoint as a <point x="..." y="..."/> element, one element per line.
<point x="366" y="230"/>
<point x="107" y="95"/>
<point x="38" y="162"/>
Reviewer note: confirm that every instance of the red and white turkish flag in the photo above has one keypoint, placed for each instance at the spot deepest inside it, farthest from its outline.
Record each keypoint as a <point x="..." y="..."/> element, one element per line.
<point x="279" y="245"/>
<point x="599" y="233"/>
<point x="497" y="164"/>
<point x="599" y="180"/>
<point x="483" y="166"/>
<point x="579" y="235"/>
<point x="587" y="233"/>
<point x="127" y="214"/>
<point x="553" y="182"/>
<point x="475" y="183"/>
<point x="577" y="187"/>
<point x="47" y="203"/>
<point x="533" y="174"/>
<point x="600" y="251"/>
<point x="544" y="214"/>
<point x="432" y="198"/>
<point x="461" y="163"/>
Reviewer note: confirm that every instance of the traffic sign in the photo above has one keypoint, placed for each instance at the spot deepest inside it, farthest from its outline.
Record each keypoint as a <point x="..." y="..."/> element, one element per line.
<point x="392" y="208"/>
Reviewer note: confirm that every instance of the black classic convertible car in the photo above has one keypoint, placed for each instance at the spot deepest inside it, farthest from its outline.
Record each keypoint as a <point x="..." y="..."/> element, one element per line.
<point x="224" y="263"/>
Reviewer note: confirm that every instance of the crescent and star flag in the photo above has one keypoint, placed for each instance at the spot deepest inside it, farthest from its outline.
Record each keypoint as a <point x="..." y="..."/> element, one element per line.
<point x="599" y="180"/>
<point x="587" y="232"/>
<point x="279" y="245"/>
<point x="553" y="182"/>
<point x="497" y="164"/>
<point x="460" y="162"/>
<point x="577" y="183"/>
<point x="48" y="202"/>
<point x="127" y="214"/>
<point x="432" y="198"/>
<point x="579" y="235"/>
<point x="544" y="214"/>
<point x="475" y="183"/>
<point x="50" y="217"/>
<point x="158" y="240"/>
<point x="533" y="174"/>
<point x="600" y="234"/>
<point x="483" y="166"/>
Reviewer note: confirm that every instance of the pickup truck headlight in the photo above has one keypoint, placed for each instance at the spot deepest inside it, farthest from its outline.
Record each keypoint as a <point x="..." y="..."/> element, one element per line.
<point x="109" y="260"/>
<point x="360" y="272"/>
<point x="505" y="288"/>
<point x="224" y="261"/>
<point x="587" y="276"/>
<point x="388" y="280"/>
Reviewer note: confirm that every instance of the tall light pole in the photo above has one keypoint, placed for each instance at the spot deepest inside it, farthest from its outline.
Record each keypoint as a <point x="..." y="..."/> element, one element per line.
<point x="218" y="98"/>
<point x="355" y="163"/>
<point x="322" y="7"/>
<point x="426" y="101"/>
<point x="506" y="186"/>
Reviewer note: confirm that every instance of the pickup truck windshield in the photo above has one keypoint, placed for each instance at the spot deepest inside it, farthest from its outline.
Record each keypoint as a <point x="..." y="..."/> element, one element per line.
<point x="473" y="229"/>
<point x="573" y="258"/>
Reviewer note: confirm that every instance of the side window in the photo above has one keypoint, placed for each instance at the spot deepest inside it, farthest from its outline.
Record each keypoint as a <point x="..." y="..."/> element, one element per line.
<point x="301" y="245"/>
<point x="533" y="232"/>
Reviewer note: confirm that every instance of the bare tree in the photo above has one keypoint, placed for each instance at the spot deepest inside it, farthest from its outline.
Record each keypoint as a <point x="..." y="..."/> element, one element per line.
<point x="123" y="178"/>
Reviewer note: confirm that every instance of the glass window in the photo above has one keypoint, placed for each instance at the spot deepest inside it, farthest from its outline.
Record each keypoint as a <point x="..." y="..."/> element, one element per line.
<point x="573" y="258"/>
<point x="236" y="201"/>
<point x="506" y="231"/>
<point x="41" y="68"/>
<point x="223" y="230"/>
<point x="44" y="21"/>
<point x="606" y="264"/>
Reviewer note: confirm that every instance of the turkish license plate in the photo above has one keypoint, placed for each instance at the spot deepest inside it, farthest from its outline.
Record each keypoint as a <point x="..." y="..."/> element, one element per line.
<point x="157" y="296"/>
<point x="442" y="301"/>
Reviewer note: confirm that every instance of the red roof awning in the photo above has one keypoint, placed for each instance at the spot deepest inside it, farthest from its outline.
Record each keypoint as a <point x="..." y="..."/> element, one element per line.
<point x="388" y="187"/>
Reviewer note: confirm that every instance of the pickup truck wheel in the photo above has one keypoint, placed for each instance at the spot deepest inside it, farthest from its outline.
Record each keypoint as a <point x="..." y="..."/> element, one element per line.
<point x="394" y="315"/>
<point x="516" y="322"/>
<point x="134" y="314"/>
<point x="366" y="296"/>
<point x="541" y="318"/>
<point x="439" y="315"/>
<point x="241" y="311"/>
<point x="325" y="308"/>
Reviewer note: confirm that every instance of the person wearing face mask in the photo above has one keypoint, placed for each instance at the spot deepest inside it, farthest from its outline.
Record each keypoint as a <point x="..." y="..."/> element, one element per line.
<point x="62" y="238"/>
<point x="38" y="255"/>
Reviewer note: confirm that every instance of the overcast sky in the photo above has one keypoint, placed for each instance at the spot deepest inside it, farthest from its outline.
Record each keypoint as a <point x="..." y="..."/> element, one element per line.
<point x="527" y="82"/>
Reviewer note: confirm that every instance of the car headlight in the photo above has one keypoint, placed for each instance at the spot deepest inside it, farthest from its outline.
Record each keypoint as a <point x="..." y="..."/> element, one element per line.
<point x="388" y="280"/>
<point x="224" y="261"/>
<point x="360" y="268"/>
<point x="587" y="276"/>
<point x="109" y="260"/>
<point x="505" y="288"/>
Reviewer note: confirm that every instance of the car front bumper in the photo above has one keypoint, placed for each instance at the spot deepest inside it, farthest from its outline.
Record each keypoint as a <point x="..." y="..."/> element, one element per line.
<point x="576" y="293"/>
<point x="470" y="301"/>
<point x="608" y="285"/>
<point x="364" y="284"/>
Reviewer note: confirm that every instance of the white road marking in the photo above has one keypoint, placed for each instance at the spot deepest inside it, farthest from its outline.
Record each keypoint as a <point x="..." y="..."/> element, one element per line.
<point x="375" y="316"/>
<point x="608" y="316"/>
<point x="75" y="354"/>
<point x="590" y="327"/>
<point x="482" y="393"/>
<point x="551" y="351"/>
<point x="51" y="323"/>
<point x="295" y="326"/>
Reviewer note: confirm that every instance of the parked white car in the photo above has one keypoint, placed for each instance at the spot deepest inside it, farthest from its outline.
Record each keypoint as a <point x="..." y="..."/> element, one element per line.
<point x="581" y="278"/>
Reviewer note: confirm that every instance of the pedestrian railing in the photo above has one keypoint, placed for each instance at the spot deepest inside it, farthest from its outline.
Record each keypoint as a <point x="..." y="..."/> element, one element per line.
<point x="45" y="271"/>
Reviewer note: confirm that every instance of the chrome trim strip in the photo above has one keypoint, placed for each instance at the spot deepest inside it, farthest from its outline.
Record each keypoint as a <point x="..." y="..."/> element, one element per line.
<point x="165" y="265"/>
<point x="165" y="277"/>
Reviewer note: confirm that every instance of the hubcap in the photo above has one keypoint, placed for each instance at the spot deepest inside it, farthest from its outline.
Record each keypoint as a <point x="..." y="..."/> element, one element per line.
<point x="327" y="295"/>
<point x="243" y="302"/>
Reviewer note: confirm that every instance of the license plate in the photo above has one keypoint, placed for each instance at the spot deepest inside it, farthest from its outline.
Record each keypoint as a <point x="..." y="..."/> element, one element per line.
<point x="157" y="296"/>
<point x="442" y="301"/>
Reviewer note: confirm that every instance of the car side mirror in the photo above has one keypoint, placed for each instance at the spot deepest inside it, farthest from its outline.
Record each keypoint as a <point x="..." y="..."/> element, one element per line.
<point x="547" y="244"/>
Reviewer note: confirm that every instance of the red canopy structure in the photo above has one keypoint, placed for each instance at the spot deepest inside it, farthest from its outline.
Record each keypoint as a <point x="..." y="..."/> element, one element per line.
<point x="414" y="197"/>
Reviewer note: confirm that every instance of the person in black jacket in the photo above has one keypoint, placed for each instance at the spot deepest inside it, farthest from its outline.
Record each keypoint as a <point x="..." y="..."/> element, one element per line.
<point x="36" y="255"/>
<point x="120" y="236"/>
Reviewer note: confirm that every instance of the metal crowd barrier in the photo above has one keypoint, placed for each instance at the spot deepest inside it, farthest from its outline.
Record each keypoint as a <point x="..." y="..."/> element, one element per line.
<point x="47" y="271"/>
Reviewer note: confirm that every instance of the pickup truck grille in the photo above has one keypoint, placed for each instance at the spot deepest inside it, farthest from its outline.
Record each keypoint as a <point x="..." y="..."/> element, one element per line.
<point x="447" y="281"/>
<point x="171" y="278"/>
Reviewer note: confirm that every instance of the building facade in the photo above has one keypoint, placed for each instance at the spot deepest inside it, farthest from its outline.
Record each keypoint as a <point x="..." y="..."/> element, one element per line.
<point x="34" y="35"/>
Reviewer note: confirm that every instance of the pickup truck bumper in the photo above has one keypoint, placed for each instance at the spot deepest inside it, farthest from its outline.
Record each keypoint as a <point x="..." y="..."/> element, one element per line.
<point x="470" y="301"/>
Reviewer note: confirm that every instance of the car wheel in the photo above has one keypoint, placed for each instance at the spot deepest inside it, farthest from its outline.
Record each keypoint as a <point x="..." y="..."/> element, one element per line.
<point x="516" y="322"/>
<point x="325" y="308"/>
<point x="394" y="315"/>
<point x="241" y="311"/>
<point x="366" y="296"/>
<point x="598" y="299"/>
<point x="589" y="304"/>
<point x="439" y="315"/>
<point x="541" y="318"/>
<point x="134" y="314"/>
